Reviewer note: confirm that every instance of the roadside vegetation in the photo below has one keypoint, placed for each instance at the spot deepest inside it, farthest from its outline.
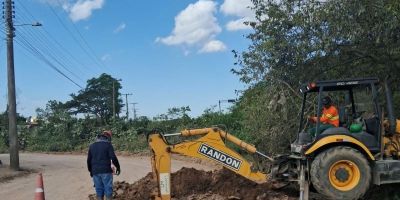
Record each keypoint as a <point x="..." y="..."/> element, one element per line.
<point x="292" y="42"/>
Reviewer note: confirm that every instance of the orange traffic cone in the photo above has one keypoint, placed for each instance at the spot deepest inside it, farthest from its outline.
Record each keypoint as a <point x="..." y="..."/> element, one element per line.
<point x="39" y="192"/>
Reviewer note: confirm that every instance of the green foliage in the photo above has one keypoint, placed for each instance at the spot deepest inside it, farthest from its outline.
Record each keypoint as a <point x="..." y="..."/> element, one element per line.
<point x="296" y="42"/>
<point x="3" y="147"/>
<point x="301" y="41"/>
<point x="130" y="141"/>
<point x="293" y="42"/>
<point x="58" y="130"/>
<point x="174" y="120"/>
<point x="271" y="118"/>
<point x="97" y="98"/>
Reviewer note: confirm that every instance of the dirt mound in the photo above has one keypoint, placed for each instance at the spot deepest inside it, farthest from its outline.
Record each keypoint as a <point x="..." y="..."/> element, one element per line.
<point x="193" y="184"/>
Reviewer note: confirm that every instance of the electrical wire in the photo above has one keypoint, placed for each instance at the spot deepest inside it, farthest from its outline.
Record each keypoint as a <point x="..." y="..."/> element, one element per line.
<point x="83" y="39"/>
<point x="93" y="57"/>
<point x="48" y="50"/>
<point x="36" y="53"/>
<point x="52" y="48"/>
<point x="53" y="57"/>
<point x="39" y="46"/>
<point x="46" y="34"/>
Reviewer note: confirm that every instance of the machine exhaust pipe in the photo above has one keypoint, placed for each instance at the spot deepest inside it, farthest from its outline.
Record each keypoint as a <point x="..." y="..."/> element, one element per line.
<point x="390" y="111"/>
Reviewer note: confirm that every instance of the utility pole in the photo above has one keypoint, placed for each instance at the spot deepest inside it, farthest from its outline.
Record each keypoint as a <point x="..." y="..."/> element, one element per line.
<point x="224" y="100"/>
<point x="134" y="110"/>
<point x="127" y="107"/>
<point x="113" y="96"/>
<point x="113" y="99"/>
<point x="12" y="110"/>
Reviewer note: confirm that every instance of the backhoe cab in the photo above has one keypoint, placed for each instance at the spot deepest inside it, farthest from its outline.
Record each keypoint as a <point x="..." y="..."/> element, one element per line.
<point x="342" y="162"/>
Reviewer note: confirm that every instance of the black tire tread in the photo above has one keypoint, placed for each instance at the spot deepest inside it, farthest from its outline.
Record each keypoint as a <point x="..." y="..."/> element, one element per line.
<point x="321" y="161"/>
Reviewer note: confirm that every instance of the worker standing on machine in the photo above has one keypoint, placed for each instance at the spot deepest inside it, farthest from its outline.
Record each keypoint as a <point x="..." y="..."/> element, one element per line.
<point x="100" y="155"/>
<point x="329" y="118"/>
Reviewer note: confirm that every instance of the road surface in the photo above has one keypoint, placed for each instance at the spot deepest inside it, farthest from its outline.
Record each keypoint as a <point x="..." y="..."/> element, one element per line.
<point x="66" y="176"/>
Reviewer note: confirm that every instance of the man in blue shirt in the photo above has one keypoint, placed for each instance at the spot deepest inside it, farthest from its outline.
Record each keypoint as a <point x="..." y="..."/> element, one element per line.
<point x="100" y="155"/>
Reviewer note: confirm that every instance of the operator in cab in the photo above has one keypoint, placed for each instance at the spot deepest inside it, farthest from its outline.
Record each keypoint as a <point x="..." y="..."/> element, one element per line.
<point x="329" y="118"/>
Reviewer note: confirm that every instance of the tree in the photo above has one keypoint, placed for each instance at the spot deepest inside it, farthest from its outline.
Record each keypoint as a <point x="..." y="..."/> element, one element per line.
<point x="175" y="119"/>
<point x="97" y="98"/>
<point x="299" y="41"/>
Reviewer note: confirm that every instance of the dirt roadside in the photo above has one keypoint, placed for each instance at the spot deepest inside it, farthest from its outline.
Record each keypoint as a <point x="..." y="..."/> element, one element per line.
<point x="66" y="176"/>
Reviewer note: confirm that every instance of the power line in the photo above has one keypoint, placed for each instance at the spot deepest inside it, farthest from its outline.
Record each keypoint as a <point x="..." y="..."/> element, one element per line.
<point x="35" y="52"/>
<point x="93" y="57"/>
<point x="127" y="104"/>
<point x="86" y="43"/>
<point x="47" y="49"/>
<point x="51" y="48"/>
<point x="46" y="34"/>
<point x="48" y="52"/>
<point x="39" y="55"/>
<point x="134" y="110"/>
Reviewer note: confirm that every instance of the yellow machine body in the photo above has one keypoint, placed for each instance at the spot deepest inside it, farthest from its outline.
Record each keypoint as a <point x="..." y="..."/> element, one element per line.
<point x="211" y="146"/>
<point x="398" y="127"/>
<point x="392" y="143"/>
<point x="339" y="140"/>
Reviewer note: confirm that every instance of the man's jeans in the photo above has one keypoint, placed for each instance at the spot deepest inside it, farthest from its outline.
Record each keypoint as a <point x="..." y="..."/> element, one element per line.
<point x="103" y="184"/>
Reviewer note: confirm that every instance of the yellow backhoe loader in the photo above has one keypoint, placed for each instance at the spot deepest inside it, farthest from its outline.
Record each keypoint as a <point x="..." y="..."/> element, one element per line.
<point x="339" y="162"/>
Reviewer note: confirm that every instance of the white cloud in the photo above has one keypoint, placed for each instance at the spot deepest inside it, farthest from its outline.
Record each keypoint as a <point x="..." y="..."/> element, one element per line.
<point x="235" y="25"/>
<point x="238" y="8"/>
<point x="120" y="28"/>
<point x="82" y="9"/>
<point x="213" y="46"/>
<point x="196" y="25"/>
<point x="106" y="57"/>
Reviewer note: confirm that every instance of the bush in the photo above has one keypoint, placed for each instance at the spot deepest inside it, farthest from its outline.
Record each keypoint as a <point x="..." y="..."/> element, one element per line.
<point x="3" y="146"/>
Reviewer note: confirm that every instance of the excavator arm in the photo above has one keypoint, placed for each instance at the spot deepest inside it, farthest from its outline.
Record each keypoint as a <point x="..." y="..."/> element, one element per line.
<point x="210" y="146"/>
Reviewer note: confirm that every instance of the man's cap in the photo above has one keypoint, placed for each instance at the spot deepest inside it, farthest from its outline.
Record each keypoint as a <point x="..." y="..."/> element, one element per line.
<point x="107" y="133"/>
<point x="326" y="101"/>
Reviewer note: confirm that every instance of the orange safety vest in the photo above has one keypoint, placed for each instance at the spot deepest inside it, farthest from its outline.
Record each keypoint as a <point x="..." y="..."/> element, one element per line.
<point x="329" y="116"/>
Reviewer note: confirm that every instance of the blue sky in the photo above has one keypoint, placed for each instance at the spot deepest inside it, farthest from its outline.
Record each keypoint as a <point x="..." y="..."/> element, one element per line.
<point x="168" y="53"/>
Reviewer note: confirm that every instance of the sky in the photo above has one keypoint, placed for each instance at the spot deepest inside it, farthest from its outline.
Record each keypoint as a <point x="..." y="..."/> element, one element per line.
<point x="168" y="53"/>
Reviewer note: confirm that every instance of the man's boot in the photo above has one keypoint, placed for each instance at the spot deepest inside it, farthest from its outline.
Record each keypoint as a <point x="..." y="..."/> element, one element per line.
<point x="100" y="198"/>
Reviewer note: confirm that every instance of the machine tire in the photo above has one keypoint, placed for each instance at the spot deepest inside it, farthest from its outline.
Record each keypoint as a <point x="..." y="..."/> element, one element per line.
<point x="328" y="180"/>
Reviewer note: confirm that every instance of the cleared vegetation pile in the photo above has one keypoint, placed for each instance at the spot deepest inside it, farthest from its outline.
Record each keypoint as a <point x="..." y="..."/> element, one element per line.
<point x="189" y="183"/>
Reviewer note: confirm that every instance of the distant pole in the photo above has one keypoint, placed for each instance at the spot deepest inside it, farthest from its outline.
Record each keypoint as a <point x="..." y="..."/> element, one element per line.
<point x="113" y="96"/>
<point x="225" y="100"/>
<point x="12" y="111"/>
<point x="219" y="105"/>
<point x="134" y="110"/>
<point x="127" y="107"/>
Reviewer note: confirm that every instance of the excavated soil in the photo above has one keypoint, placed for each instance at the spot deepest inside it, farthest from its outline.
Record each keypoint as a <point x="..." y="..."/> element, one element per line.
<point x="193" y="184"/>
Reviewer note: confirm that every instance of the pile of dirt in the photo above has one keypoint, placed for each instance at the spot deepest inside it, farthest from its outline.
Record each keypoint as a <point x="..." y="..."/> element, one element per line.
<point x="193" y="184"/>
